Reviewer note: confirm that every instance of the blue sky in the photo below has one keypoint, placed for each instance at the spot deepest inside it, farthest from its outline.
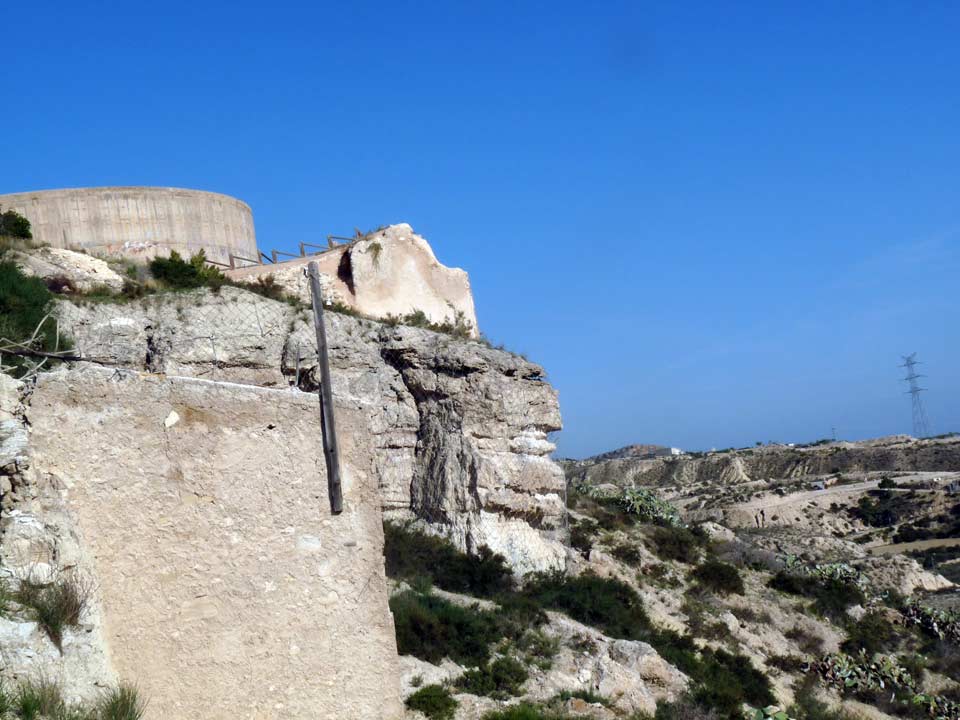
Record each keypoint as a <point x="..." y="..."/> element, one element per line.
<point x="713" y="223"/>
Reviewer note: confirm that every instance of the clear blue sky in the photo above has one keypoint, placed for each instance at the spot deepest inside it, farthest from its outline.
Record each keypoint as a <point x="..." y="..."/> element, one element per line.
<point x="713" y="223"/>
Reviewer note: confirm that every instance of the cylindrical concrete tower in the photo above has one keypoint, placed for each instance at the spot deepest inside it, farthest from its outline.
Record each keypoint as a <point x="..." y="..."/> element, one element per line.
<point x="139" y="222"/>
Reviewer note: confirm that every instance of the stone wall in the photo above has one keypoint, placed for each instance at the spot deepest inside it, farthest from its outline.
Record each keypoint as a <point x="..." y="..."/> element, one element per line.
<point x="226" y="588"/>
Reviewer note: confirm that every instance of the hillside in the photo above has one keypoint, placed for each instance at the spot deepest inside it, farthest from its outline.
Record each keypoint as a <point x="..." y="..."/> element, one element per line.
<point x="166" y="531"/>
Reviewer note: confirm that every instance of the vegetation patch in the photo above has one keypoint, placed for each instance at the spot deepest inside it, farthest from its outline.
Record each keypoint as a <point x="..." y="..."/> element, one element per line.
<point x="607" y="604"/>
<point x="24" y="305"/>
<point x="500" y="679"/>
<point x="718" y="577"/>
<point x="641" y="503"/>
<point x="872" y="634"/>
<point x="831" y="596"/>
<point x="458" y="327"/>
<point x="412" y="556"/>
<point x="585" y="695"/>
<point x="43" y="700"/>
<point x="15" y="225"/>
<point x="180" y="274"/>
<point x="434" y="701"/>
<point x="432" y="628"/>
<point x="56" y="605"/>
<point x="677" y="544"/>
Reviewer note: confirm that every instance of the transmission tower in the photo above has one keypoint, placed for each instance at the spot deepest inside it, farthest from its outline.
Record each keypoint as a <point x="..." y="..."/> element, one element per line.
<point x="920" y="427"/>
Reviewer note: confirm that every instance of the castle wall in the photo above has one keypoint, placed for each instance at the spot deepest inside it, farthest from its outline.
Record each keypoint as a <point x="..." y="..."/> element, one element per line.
<point x="138" y="221"/>
<point x="227" y="589"/>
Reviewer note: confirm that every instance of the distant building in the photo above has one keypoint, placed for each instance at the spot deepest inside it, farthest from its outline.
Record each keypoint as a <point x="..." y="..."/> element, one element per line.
<point x="666" y="452"/>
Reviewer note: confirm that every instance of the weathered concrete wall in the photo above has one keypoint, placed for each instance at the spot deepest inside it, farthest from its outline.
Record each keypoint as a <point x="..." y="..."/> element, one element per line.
<point x="138" y="221"/>
<point x="228" y="589"/>
<point x="392" y="271"/>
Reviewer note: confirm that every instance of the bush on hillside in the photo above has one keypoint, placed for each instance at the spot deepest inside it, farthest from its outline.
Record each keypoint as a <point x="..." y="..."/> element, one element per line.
<point x="56" y="606"/>
<point x="432" y="628"/>
<point x="499" y="679"/>
<point x="718" y="577"/>
<point x="434" y="701"/>
<point x="24" y="304"/>
<point x="605" y="603"/>
<point x="678" y="544"/>
<point x="412" y="556"/>
<point x="873" y="633"/>
<point x="726" y="681"/>
<point x="180" y="274"/>
<point x="831" y="596"/>
<point x="15" y="225"/>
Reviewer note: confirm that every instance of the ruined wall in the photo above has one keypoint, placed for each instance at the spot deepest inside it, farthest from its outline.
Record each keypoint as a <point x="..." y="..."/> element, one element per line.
<point x="226" y="588"/>
<point x="139" y="222"/>
<point x="392" y="271"/>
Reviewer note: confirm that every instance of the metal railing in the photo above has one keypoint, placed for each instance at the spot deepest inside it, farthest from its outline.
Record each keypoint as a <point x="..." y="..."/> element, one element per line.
<point x="274" y="256"/>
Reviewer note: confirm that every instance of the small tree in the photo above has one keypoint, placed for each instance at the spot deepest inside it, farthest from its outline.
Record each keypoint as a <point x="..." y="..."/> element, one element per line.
<point x="179" y="273"/>
<point x="13" y="224"/>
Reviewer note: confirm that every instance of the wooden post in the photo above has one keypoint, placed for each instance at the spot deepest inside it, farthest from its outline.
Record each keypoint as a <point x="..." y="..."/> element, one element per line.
<point x="331" y="452"/>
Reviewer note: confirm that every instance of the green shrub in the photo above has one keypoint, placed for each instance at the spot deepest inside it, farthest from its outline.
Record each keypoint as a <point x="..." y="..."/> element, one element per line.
<point x="607" y="604"/>
<point x="727" y="681"/>
<point x="524" y="711"/>
<point x="121" y="703"/>
<point x="581" y="535"/>
<point x="434" y="701"/>
<point x="432" y="628"/>
<point x="538" y="649"/>
<point x="56" y="605"/>
<point x="684" y="708"/>
<point x="177" y="273"/>
<point x="40" y="698"/>
<point x="410" y="554"/>
<point x="24" y="303"/>
<point x="458" y="327"/>
<point x="675" y="543"/>
<point x="831" y="596"/>
<point x="808" y="642"/>
<point x="873" y="633"/>
<point x="15" y="225"/>
<point x="499" y="679"/>
<point x="585" y="695"/>
<point x="718" y="577"/>
<point x="628" y="554"/>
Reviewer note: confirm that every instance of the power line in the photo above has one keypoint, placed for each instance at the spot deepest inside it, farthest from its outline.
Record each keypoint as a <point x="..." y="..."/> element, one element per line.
<point x="920" y="426"/>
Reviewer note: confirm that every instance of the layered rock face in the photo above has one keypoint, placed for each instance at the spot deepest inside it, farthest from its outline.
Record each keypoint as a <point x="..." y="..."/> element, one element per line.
<point x="391" y="271"/>
<point x="458" y="430"/>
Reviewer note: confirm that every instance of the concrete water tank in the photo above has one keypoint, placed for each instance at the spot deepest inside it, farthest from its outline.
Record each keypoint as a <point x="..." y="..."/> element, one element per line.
<point x="138" y="222"/>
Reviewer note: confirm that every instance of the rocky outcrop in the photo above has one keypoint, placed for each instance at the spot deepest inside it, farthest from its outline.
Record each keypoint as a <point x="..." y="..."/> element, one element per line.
<point x="459" y="430"/>
<point x="390" y="271"/>
<point x="83" y="272"/>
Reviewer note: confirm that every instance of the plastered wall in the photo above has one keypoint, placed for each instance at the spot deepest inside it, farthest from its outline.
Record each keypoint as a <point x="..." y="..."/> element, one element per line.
<point x="227" y="589"/>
